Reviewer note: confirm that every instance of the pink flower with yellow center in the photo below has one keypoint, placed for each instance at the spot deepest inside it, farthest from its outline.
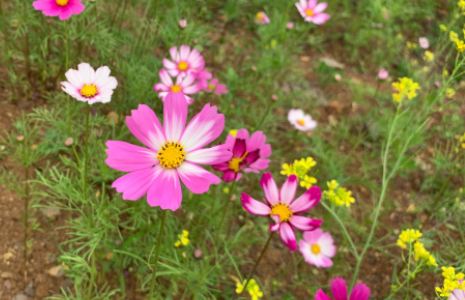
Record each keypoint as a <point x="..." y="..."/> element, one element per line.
<point x="62" y="8"/>
<point x="339" y="290"/>
<point x="87" y="85"/>
<point x="213" y="87"/>
<point x="173" y="154"/>
<point x="261" y="18"/>
<point x="300" y="120"/>
<point x="185" y="85"/>
<point x="283" y="209"/>
<point x="184" y="61"/>
<point x="312" y="11"/>
<point x="249" y="154"/>
<point x="317" y="247"/>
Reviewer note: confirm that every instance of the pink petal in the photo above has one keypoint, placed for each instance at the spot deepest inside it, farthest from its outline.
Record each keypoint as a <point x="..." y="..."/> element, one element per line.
<point x="101" y="75"/>
<point x="78" y="8"/>
<point x="320" y="19"/>
<point x="312" y="3"/>
<point x="193" y="56"/>
<point x="320" y="295"/>
<point x="309" y="199"/>
<point x="326" y="243"/>
<point x="136" y="184"/>
<point x="320" y="7"/>
<point x="242" y="134"/>
<point x="165" y="78"/>
<point x="288" y="190"/>
<point x="214" y="155"/>
<point x="165" y="190"/>
<point x="196" y="178"/>
<point x="87" y="73"/>
<point x="191" y="90"/>
<point x="277" y="222"/>
<point x="187" y="81"/>
<point x="74" y="77"/>
<point x="313" y="236"/>
<point x="239" y="148"/>
<point x="174" y="115"/>
<point x="301" y="9"/>
<point x="360" y="292"/>
<point x="126" y="157"/>
<point x="255" y="207"/>
<point x="161" y="87"/>
<point x="304" y="223"/>
<point x="169" y="64"/>
<point x="144" y="125"/>
<point x="204" y="128"/>
<point x="339" y="289"/>
<point x="256" y="141"/>
<point x="43" y="5"/>
<point x="230" y="175"/>
<point x="288" y="236"/>
<point x="269" y="188"/>
<point x="184" y="52"/>
<point x="223" y="167"/>
<point x="66" y="12"/>
<point x="174" y="54"/>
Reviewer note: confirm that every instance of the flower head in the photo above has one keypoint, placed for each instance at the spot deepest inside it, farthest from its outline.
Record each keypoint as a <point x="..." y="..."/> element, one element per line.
<point x="383" y="74"/>
<point x="290" y="25"/>
<point x="408" y="236"/>
<point x="405" y="88"/>
<point x="213" y="86"/>
<point x="183" y="239"/>
<point x="182" y="23"/>
<point x="87" y="85"/>
<point x="185" y="85"/>
<point x="283" y="209"/>
<point x="174" y="152"/>
<point x="252" y="288"/>
<point x="339" y="289"/>
<point x="317" y="247"/>
<point x="429" y="56"/>
<point x="460" y="45"/>
<point x="424" y="43"/>
<point x="184" y="61"/>
<point x="261" y="18"/>
<point x="453" y="36"/>
<point x="452" y="282"/>
<point x="249" y="154"/>
<point x="457" y="295"/>
<point x="61" y="8"/>
<point x="300" y="120"/>
<point x="312" y="11"/>
<point x="450" y="93"/>
<point x="300" y="168"/>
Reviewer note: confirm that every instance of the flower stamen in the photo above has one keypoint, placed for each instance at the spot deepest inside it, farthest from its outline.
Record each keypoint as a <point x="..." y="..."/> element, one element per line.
<point x="315" y="249"/>
<point x="309" y="12"/>
<point x="282" y="210"/>
<point x="176" y="88"/>
<point x="171" y="155"/>
<point x="62" y="2"/>
<point x="182" y="66"/>
<point x="301" y="122"/>
<point x="89" y="91"/>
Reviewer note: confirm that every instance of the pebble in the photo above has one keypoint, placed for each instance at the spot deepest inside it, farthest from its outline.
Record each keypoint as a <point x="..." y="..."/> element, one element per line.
<point x="7" y="285"/>
<point x="56" y="271"/>
<point x="6" y="275"/>
<point x="51" y="213"/>
<point x="19" y="297"/>
<point x="29" y="290"/>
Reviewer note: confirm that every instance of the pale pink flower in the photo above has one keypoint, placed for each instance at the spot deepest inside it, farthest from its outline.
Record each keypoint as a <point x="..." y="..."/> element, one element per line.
<point x="317" y="247"/>
<point x="261" y="18"/>
<point x="283" y="209"/>
<point x="313" y="12"/>
<point x="174" y="152"/>
<point x="182" y="23"/>
<point x="437" y="84"/>
<point x="383" y="74"/>
<point x="274" y="97"/>
<point x="88" y="85"/>
<point x="338" y="77"/>
<point x="290" y="25"/>
<point x="424" y="43"/>
<point x="254" y="68"/>
<point x="184" y="61"/>
<point x="213" y="86"/>
<point x="457" y="295"/>
<point x="300" y="120"/>
<point x="186" y="85"/>
<point x="62" y="8"/>
<point x="339" y="290"/>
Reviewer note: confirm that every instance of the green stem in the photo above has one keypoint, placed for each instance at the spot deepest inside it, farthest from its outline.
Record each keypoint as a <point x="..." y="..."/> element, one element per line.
<point x="26" y="206"/>
<point x="258" y="261"/>
<point x="265" y="115"/>
<point x="408" y="269"/>
<point x="157" y="253"/>
<point x="225" y="208"/>
<point x="93" y="271"/>
<point x="68" y="110"/>
<point x="86" y="153"/>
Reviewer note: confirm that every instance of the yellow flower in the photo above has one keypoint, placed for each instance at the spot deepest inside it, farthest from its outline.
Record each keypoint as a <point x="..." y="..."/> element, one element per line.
<point x="332" y="185"/>
<point x="421" y="253"/>
<point x="460" y="45"/>
<point x="429" y="56"/>
<point x="183" y="239"/>
<point x="345" y="196"/>
<point x="338" y="195"/>
<point x="252" y="288"/>
<point x="453" y="36"/>
<point x="445" y="73"/>
<point x="273" y="44"/>
<point x="408" y="236"/>
<point x="411" y="45"/>
<point x="450" y="93"/>
<point x="300" y="168"/>
<point x="233" y="132"/>
<point x="308" y="181"/>
<point x="461" y="4"/>
<point x="462" y="141"/>
<point x="405" y="87"/>
<point x="443" y="27"/>
<point x="226" y="190"/>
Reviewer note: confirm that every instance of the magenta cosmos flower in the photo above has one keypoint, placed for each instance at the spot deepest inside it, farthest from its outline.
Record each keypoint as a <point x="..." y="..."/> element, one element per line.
<point x="457" y="295"/>
<point x="249" y="154"/>
<point x="313" y="12"/>
<point x="300" y="120"/>
<point x="62" y="8"/>
<point x="213" y="87"/>
<point x="186" y="85"/>
<point x="317" y="247"/>
<point x="174" y="152"/>
<point x="261" y="18"/>
<point x="339" y="290"/>
<point x="184" y="61"/>
<point x="283" y="209"/>
<point x="87" y="85"/>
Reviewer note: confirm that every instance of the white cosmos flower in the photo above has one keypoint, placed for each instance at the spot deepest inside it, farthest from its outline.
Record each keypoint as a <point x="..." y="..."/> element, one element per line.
<point x="300" y="120"/>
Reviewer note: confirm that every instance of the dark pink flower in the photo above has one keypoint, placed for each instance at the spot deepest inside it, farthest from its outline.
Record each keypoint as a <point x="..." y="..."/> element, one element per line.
<point x="339" y="290"/>
<point x="62" y="8"/>
<point x="249" y="154"/>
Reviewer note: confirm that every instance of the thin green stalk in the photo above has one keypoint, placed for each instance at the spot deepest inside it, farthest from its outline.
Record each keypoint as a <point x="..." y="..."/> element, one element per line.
<point x="408" y="268"/>
<point x="257" y="262"/>
<point x="115" y="15"/>
<point x="265" y="115"/>
<point x="6" y="39"/>
<point x="157" y="253"/>
<point x="68" y="110"/>
<point x="93" y="271"/>
<point x="26" y="207"/>
<point x="26" y="45"/>
<point x="86" y="154"/>
<point x="225" y="208"/>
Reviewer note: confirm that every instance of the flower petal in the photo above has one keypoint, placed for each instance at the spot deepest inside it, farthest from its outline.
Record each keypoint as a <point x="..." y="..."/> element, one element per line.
<point x="339" y="289"/>
<point x="254" y="207"/>
<point x="135" y="184"/>
<point x="277" y="222"/>
<point x="239" y="148"/>
<point x="126" y="157"/>
<point x="230" y="175"/>
<point x="174" y="115"/>
<point x="288" y="190"/>
<point x="87" y="73"/>
<point x="288" y="236"/>
<point x="165" y="78"/>
<point x="144" y="125"/>
<point x="269" y="188"/>
<point x="74" y="77"/>
<point x="196" y="178"/>
<point x="165" y="190"/>
<point x="360" y="292"/>
<point x="209" y="156"/>
<point x="312" y="237"/>
<point x="320" y="295"/>
<point x="320" y="19"/>
<point x="184" y="52"/>
<point x="304" y="223"/>
<point x="320" y="7"/>
<point x="309" y="199"/>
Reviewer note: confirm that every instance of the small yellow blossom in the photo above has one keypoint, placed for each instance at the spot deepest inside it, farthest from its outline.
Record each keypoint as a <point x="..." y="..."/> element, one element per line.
<point x="461" y="4"/>
<point x="226" y="190"/>
<point x="233" y="132"/>
<point x="411" y="45"/>
<point x="452" y="281"/>
<point x="445" y="73"/>
<point x="450" y="93"/>
<point x="273" y="43"/>
<point x="252" y="288"/>
<point x="183" y="239"/>
<point x="300" y="168"/>
<point x="429" y="56"/>
<point x="405" y="87"/>
<point x="453" y="36"/>
<point x="338" y="195"/>
<point x="462" y="141"/>
<point x="421" y="253"/>
<point x="308" y="182"/>
<point x="443" y="27"/>
<point x="460" y="45"/>
<point x="408" y="236"/>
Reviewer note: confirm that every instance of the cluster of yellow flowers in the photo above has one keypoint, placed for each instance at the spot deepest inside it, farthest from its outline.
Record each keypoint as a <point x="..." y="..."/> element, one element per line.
<point x="462" y="141"/>
<point x="429" y="56"/>
<point x="411" y="45"/>
<point x="252" y="288"/>
<point x="405" y="87"/>
<point x="452" y="281"/>
<point x="459" y="44"/>
<point x="300" y="168"/>
<point x="183" y="239"/>
<point x="338" y="195"/>
<point x="410" y="236"/>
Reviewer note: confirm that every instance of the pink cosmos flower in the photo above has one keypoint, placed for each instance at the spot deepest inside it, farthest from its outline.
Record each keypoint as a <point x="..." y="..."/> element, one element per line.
<point x="457" y="295"/>
<point x="313" y="12"/>
<point x="261" y="18"/>
<point x="383" y="74"/>
<point x="174" y="152"/>
<point x="182" y="23"/>
<point x="339" y="289"/>
<point x="213" y="86"/>
<point x="300" y="120"/>
<point x="424" y="43"/>
<point x="283" y="209"/>
<point x="184" y="61"/>
<point x="317" y="247"/>
<point x="185" y="85"/>
<point x="249" y="154"/>
<point x="290" y="25"/>
<point x="274" y="97"/>
<point x="88" y="85"/>
<point x="62" y="8"/>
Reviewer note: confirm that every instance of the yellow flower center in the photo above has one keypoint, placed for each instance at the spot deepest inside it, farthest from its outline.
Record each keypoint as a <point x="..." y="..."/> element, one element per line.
<point x="309" y="12"/>
<point x="315" y="249"/>
<point x="171" y="155"/>
<point x="182" y="66"/>
<point x="259" y="16"/>
<point x="282" y="210"/>
<point x="176" y="88"/>
<point x="211" y="86"/>
<point x="301" y="122"/>
<point x="234" y="163"/>
<point x="62" y="2"/>
<point x="89" y="91"/>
